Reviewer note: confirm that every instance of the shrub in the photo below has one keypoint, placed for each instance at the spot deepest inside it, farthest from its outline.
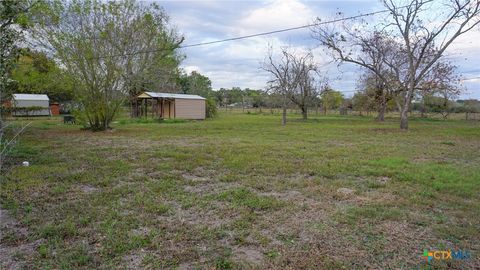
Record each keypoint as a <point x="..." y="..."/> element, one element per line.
<point x="80" y="118"/>
<point x="211" y="108"/>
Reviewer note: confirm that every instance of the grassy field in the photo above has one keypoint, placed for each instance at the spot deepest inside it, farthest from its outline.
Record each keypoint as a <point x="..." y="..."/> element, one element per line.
<point x="241" y="191"/>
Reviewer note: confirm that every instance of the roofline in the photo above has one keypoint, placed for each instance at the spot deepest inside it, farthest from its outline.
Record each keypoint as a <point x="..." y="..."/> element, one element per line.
<point x="174" y="95"/>
<point x="21" y="96"/>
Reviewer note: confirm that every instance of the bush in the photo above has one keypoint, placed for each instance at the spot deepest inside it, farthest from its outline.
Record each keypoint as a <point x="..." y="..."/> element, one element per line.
<point x="80" y="118"/>
<point x="26" y="111"/>
<point x="211" y="108"/>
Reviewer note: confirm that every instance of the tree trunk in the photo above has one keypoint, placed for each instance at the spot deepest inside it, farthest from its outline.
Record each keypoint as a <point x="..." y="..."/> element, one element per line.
<point x="284" y="108"/>
<point x="423" y="108"/>
<point x="404" y="119"/>
<point x="382" y="102"/>
<point x="381" y="112"/>
<point x="404" y="112"/>
<point x="243" y="104"/>
<point x="304" y="113"/>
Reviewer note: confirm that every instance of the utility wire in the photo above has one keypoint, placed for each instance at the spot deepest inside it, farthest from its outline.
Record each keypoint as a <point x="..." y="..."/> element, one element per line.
<point x="287" y="29"/>
<point x="252" y="35"/>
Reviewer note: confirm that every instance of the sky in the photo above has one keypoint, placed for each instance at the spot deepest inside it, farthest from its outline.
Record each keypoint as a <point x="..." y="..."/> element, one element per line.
<point x="238" y="63"/>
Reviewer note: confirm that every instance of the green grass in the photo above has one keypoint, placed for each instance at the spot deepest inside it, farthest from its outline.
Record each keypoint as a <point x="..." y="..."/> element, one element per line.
<point x="242" y="191"/>
<point x="243" y="197"/>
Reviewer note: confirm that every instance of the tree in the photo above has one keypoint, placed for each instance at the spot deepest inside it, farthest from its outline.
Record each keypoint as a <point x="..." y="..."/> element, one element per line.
<point x="354" y="45"/>
<point x="112" y="50"/>
<point x="195" y="84"/>
<point x="421" y="38"/>
<point x="14" y="20"/>
<point x="310" y="83"/>
<point x="219" y="96"/>
<point x="361" y="101"/>
<point x="470" y="106"/>
<point x="440" y="86"/>
<point x="379" y="89"/>
<point x="36" y="73"/>
<point x="295" y="77"/>
<point x="424" y="42"/>
<point x="210" y="108"/>
<point x="331" y="99"/>
<point x="257" y="98"/>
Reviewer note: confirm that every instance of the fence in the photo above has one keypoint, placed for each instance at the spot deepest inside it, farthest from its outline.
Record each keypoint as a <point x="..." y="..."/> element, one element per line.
<point x="320" y="112"/>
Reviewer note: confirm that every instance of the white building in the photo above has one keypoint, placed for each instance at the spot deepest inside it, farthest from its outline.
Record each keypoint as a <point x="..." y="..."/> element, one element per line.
<point x="30" y="104"/>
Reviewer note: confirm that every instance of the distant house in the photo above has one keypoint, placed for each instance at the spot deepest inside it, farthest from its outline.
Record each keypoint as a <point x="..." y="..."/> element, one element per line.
<point x="30" y="105"/>
<point x="167" y="105"/>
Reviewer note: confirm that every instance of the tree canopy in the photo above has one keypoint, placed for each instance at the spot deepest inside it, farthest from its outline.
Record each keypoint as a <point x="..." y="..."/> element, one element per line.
<point x="35" y="73"/>
<point x="112" y="50"/>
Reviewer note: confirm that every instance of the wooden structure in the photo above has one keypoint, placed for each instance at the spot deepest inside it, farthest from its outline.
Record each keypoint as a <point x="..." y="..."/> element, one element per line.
<point x="55" y="108"/>
<point x="167" y="105"/>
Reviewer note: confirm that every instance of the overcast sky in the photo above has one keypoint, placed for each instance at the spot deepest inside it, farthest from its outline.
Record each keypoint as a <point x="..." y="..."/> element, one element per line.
<point x="237" y="63"/>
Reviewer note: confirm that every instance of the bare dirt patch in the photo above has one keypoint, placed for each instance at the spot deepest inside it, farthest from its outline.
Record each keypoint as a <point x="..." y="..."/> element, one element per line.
<point x="142" y="231"/>
<point x="345" y="191"/>
<point x="134" y="260"/>
<point x="194" y="178"/>
<point x="88" y="189"/>
<point x="383" y="179"/>
<point x="13" y="255"/>
<point x="216" y="215"/>
<point x="249" y="255"/>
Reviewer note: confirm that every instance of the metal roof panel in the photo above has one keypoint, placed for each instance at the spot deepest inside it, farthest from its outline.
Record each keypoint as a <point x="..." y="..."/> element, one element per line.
<point x="30" y="97"/>
<point x="170" y="95"/>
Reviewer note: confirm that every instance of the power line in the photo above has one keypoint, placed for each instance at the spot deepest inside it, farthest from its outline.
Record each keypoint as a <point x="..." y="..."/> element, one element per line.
<point x="251" y="35"/>
<point x="287" y="29"/>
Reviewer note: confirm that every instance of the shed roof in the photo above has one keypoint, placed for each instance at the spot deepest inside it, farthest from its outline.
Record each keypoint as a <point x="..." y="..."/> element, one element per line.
<point x="169" y="95"/>
<point x="30" y="97"/>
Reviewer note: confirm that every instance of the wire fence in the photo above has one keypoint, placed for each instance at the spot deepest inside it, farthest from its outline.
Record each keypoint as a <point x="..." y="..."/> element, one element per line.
<point x="470" y="116"/>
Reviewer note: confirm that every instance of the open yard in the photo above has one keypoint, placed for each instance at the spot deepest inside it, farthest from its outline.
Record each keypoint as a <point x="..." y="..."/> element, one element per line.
<point x="241" y="191"/>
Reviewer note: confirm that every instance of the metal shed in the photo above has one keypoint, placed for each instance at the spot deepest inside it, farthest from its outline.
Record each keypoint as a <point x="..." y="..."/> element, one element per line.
<point x="167" y="105"/>
<point x="30" y="105"/>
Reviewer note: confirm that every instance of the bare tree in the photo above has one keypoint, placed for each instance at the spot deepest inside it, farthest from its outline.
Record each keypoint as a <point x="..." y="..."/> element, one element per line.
<point x="373" y="51"/>
<point x="425" y="41"/>
<point x="310" y="83"/>
<point x="283" y="79"/>
<point x="422" y="35"/>
<point x="295" y="76"/>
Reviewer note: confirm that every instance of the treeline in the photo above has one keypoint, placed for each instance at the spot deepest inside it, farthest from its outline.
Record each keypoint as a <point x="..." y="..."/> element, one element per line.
<point x="362" y="102"/>
<point x="36" y="73"/>
<point x="102" y="54"/>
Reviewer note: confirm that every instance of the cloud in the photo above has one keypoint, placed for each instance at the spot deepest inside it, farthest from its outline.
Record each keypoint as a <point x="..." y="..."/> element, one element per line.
<point x="237" y="63"/>
<point x="276" y="15"/>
